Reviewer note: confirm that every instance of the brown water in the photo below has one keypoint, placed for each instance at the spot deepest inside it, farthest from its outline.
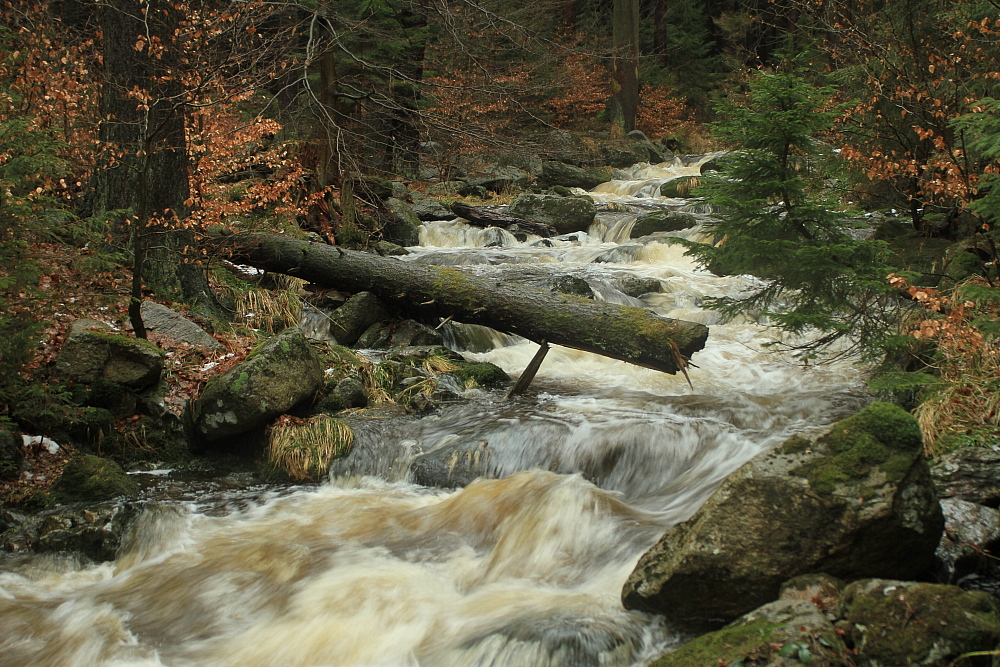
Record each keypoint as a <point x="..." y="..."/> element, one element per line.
<point x="524" y="569"/>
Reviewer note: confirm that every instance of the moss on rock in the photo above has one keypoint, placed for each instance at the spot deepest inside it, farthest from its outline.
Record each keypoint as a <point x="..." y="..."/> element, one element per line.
<point x="483" y="374"/>
<point x="93" y="479"/>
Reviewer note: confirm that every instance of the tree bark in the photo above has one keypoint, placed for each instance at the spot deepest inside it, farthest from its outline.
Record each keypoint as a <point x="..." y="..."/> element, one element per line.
<point x="631" y="334"/>
<point x="481" y="216"/>
<point x="625" y="85"/>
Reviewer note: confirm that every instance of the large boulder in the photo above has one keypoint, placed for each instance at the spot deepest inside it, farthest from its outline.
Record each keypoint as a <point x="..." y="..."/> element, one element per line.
<point x="402" y="224"/>
<point x="856" y="502"/>
<point x="971" y="534"/>
<point x="792" y="629"/>
<point x="92" y="350"/>
<point x="93" y="479"/>
<point x="567" y="175"/>
<point x="907" y="623"/>
<point x="496" y="178"/>
<point x="352" y="319"/>
<point x="971" y="474"/>
<point x="283" y="372"/>
<point x="566" y="214"/>
<point x="159" y="319"/>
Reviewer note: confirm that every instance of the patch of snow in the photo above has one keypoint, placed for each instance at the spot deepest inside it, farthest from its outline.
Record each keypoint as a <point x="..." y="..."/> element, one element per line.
<point x="51" y="445"/>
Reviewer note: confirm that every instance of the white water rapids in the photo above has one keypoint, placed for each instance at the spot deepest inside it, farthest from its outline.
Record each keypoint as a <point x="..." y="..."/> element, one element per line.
<point x="524" y="569"/>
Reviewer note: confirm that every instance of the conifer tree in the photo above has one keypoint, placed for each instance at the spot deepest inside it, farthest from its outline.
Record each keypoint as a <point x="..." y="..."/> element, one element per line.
<point x="773" y="222"/>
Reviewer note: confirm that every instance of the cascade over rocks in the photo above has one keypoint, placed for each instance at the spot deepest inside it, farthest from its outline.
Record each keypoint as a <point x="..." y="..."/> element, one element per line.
<point x="662" y="221"/>
<point x="88" y="355"/>
<point x="855" y="502"/>
<point x="283" y="372"/>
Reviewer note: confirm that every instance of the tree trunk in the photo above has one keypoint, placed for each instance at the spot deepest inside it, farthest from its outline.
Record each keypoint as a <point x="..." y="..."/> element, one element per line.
<point x="631" y="334"/>
<point x="625" y="86"/>
<point x="146" y="175"/>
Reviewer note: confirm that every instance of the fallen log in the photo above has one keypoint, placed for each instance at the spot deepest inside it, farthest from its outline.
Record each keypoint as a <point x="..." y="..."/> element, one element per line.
<point x="481" y="216"/>
<point x="631" y="334"/>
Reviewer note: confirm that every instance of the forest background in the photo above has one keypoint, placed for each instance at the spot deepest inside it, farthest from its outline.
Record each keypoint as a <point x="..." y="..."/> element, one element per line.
<point x="130" y="132"/>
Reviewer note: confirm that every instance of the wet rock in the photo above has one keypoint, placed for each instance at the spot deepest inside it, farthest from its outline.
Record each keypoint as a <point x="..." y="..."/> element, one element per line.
<point x="855" y="502"/>
<point x="11" y="455"/>
<point x="781" y="633"/>
<point x="906" y="623"/>
<point x="482" y="374"/>
<point x="497" y="178"/>
<point x="353" y="318"/>
<point x="640" y="142"/>
<point x="431" y="209"/>
<point x="388" y="249"/>
<point x="93" y="479"/>
<point x="283" y="372"/>
<point x="349" y="392"/>
<point x="92" y="350"/>
<point x="679" y="187"/>
<point x="566" y="214"/>
<point x="163" y="321"/>
<point x="971" y="474"/>
<point x="95" y="530"/>
<point x="571" y="285"/>
<point x="569" y="176"/>
<point x="453" y="464"/>
<point x="971" y="532"/>
<point x="395" y="333"/>
<point x="635" y="286"/>
<point x="662" y="221"/>
<point x="402" y="225"/>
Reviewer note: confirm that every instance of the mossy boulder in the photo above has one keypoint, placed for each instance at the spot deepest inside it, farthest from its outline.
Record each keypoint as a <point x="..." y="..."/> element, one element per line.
<point x="93" y="350"/>
<point x="679" y="187"/>
<point x="482" y="374"/>
<point x="906" y="623"/>
<point x="402" y="225"/>
<point x="566" y="214"/>
<point x="93" y="479"/>
<point x="785" y="632"/>
<point x="283" y="372"/>
<point x="358" y="313"/>
<point x="569" y="176"/>
<point x="856" y="502"/>
<point x="662" y="221"/>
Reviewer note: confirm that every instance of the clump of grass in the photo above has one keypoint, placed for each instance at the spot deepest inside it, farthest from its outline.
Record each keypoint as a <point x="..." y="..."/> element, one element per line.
<point x="304" y="448"/>
<point x="268" y="310"/>
<point x="437" y="364"/>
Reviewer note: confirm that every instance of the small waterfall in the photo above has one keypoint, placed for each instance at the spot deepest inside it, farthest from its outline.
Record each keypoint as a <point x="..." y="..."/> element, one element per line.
<point x="523" y="566"/>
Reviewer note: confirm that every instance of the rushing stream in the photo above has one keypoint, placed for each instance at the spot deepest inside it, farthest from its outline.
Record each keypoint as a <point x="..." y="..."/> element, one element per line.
<point x="521" y="568"/>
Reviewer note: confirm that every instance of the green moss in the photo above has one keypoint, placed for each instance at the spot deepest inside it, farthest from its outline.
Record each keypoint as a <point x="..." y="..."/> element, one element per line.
<point x="721" y="647"/>
<point x="483" y="374"/>
<point x="236" y="385"/>
<point x="119" y="339"/>
<point x="922" y="623"/>
<point x="889" y="424"/>
<point x="882" y="435"/>
<point x="795" y="445"/>
<point x="93" y="479"/>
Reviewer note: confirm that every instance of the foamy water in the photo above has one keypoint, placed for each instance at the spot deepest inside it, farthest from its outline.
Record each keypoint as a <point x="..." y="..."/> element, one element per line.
<point x="522" y="567"/>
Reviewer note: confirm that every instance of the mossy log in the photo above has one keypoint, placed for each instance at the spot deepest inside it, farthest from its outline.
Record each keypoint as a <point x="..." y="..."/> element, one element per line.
<point x="482" y="216"/>
<point x="631" y="334"/>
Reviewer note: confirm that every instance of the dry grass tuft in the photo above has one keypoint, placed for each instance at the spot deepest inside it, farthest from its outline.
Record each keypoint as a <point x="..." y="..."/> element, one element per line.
<point x="304" y="448"/>
<point x="268" y="310"/>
